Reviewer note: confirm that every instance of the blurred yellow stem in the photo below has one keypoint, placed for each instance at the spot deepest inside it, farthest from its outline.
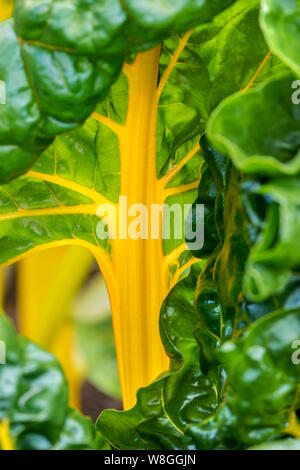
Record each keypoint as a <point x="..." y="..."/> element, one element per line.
<point x="47" y="283"/>
<point x="294" y="426"/>
<point x="6" y="7"/>
<point x="6" y="441"/>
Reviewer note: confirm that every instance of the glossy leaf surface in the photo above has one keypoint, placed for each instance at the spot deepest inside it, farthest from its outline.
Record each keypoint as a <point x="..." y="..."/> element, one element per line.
<point x="280" y="24"/>
<point x="66" y="56"/>
<point x="262" y="386"/>
<point x="34" y="398"/>
<point x="259" y="129"/>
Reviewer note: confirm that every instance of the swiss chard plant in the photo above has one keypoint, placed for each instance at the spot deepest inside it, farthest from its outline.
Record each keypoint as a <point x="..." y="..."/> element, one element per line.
<point x="119" y="103"/>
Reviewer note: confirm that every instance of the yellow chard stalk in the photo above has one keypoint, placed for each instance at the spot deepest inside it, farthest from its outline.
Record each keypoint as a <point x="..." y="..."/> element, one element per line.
<point x="6" y="7"/>
<point x="47" y="283"/>
<point x="138" y="278"/>
<point x="6" y="442"/>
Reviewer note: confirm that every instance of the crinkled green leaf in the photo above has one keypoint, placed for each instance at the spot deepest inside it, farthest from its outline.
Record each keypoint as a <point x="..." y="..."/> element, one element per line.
<point x="55" y="92"/>
<point x="66" y="55"/>
<point x="227" y="244"/>
<point x="79" y="433"/>
<point x="275" y="255"/>
<point x="261" y="390"/>
<point x="150" y="21"/>
<point x="34" y="399"/>
<point x="260" y="129"/>
<point x="35" y="409"/>
<point x="207" y="399"/>
<point x="206" y="71"/>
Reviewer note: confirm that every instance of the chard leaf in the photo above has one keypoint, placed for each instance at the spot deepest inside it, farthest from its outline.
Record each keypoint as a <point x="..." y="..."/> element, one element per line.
<point x="34" y="398"/>
<point x="218" y="292"/>
<point x="56" y="202"/>
<point x="262" y="387"/>
<point x="258" y="356"/>
<point x="150" y="142"/>
<point x="62" y="181"/>
<point x="66" y="55"/>
<point x="274" y="259"/>
<point x="39" y="107"/>
<point x="260" y="129"/>
<point x="79" y="434"/>
<point x="150" y="21"/>
<point x="199" y="70"/>
<point x="280" y="24"/>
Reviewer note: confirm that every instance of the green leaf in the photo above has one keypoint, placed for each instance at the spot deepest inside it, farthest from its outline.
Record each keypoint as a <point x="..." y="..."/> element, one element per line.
<point x="26" y="129"/>
<point x="280" y="24"/>
<point x="150" y="21"/>
<point x="275" y="256"/>
<point x="79" y="434"/>
<point x="227" y="244"/>
<point x="34" y="398"/>
<point x="261" y="390"/>
<point x="57" y="202"/>
<point x="260" y="129"/>
<point x="35" y="410"/>
<point x="199" y="70"/>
